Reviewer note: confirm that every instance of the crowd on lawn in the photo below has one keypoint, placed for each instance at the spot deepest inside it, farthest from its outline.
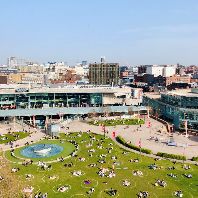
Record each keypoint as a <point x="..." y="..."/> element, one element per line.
<point x="102" y="172"/>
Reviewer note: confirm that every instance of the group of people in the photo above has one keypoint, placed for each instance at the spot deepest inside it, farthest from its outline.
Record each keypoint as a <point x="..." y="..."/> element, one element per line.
<point x="63" y="188"/>
<point x="143" y="194"/>
<point x="161" y="183"/>
<point x="77" y="173"/>
<point x="126" y="183"/>
<point x="41" y="195"/>
<point x="44" y="166"/>
<point x="105" y="172"/>
<point x="178" y="193"/>
<point x="137" y="173"/>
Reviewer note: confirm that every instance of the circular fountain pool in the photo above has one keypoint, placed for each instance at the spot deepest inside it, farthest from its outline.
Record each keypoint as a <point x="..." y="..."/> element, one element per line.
<point x="41" y="150"/>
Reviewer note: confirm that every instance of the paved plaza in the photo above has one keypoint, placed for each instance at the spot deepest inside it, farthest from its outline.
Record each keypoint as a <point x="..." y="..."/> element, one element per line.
<point x="35" y="134"/>
<point x="133" y="133"/>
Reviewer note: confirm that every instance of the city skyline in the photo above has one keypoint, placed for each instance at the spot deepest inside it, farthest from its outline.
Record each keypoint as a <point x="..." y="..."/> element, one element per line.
<point x="127" y="32"/>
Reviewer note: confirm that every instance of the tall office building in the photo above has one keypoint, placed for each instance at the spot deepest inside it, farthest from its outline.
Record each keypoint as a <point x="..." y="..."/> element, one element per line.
<point x="104" y="73"/>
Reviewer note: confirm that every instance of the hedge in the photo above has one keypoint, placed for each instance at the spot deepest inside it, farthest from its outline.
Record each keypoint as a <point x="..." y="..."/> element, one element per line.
<point x="195" y="159"/>
<point x="172" y="156"/>
<point x="123" y="142"/>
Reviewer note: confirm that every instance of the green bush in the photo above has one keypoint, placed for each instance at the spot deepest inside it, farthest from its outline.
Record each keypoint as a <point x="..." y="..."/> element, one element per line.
<point x="172" y="156"/>
<point x="123" y="142"/>
<point x="118" y="122"/>
<point x="195" y="159"/>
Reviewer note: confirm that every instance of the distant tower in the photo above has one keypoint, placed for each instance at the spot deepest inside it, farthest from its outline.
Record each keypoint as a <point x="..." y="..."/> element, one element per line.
<point x="84" y="63"/>
<point x="102" y="59"/>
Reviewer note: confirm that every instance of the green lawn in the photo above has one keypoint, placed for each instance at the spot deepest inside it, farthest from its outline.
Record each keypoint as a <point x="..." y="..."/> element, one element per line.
<point x="123" y="170"/>
<point x="68" y="149"/>
<point x="117" y="122"/>
<point x="12" y="137"/>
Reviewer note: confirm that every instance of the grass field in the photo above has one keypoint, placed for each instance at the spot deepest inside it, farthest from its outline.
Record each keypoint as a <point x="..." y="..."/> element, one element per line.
<point x="12" y="137"/>
<point x="122" y="166"/>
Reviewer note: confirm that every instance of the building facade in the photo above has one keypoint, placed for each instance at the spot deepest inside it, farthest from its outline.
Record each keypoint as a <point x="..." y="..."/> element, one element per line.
<point x="104" y="73"/>
<point x="176" y="106"/>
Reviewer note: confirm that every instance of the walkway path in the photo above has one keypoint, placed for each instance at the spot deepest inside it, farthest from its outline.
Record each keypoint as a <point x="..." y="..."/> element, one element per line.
<point x="35" y="136"/>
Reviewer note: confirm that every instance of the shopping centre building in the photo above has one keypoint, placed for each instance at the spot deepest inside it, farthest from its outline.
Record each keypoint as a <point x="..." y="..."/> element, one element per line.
<point x="69" y="100"/>
<point x="179" y="106"/>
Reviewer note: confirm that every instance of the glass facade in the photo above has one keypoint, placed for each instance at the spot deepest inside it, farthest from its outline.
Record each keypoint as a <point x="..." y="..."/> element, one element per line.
<point x="175" y="108"/>
<point x="46" y="100"/>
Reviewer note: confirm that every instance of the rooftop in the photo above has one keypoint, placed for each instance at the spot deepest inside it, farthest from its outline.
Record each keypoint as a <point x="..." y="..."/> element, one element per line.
<point x="184" y="92"/>
<point x="70" y="89"/>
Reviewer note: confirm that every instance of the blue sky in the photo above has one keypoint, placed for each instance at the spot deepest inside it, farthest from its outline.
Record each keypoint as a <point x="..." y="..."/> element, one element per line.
<point x="125" y="31"/>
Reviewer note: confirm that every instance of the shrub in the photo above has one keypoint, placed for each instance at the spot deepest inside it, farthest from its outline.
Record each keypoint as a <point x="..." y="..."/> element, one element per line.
<point x="172" y="156"/>
<point x="194" y="159"/>
<point x="118" y="122"/>
<point x="131" y="146"/>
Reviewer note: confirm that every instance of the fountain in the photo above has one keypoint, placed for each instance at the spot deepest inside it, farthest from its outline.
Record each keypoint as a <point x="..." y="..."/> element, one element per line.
<point x="41" y="150"/>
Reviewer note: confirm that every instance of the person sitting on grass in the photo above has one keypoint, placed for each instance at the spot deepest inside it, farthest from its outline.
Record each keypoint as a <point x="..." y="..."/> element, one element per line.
<point x="113" y="157"/>
<point x="81" y="159"/>
<point x="111" y="174"/>
<point x="77" y="173"/>
<point x="92" y="165"/>
<point x="137" y="173"/>
<point x="52" y="177"/>
<point x="91" y="190"/>
<point x="126" y="183"/>
<point x="28" y="176"/>
<point x="153" y="166"/>
<point x="102" y="161"/>
<point x="112" y="192"/>
<point x="178" y="193"/>
<point x="172" y="175"/>
<point x="14" y="170"/>
<point x="63" y="188"/>
<point x="68" y="165"/>
<point x="143" y="194"/>
<point x="188" y="175"/>
<point x="186" y="167"/>
<point x="61" y="159"/>
<point x="161" y="183"/>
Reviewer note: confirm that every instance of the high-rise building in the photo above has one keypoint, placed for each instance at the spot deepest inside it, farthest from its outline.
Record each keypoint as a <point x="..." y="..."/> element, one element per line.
<point x="104" y="73"/>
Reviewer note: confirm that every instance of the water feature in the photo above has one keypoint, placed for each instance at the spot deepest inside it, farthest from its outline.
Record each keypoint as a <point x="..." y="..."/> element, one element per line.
<point x="41" y="150"/>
